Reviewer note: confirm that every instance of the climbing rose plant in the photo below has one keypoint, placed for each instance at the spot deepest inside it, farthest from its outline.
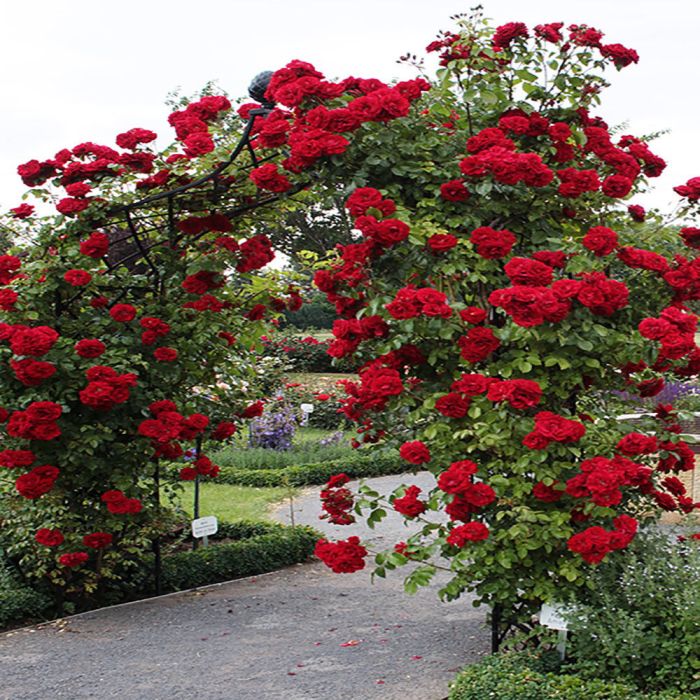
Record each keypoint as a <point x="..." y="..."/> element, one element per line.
<point x="130" y="321"/>
<point x="501" y="288"/>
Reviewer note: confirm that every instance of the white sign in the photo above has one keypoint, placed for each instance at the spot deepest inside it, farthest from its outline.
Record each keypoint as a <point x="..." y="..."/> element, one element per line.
<point x="307" y="407"/>
<point x="554" y="616"/>
<point x="203" y="527"/>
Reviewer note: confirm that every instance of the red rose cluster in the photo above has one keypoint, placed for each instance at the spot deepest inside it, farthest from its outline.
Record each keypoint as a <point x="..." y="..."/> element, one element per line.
<point x="37" y="482"/>
<point x="409" y="504"/>
<point x="106" y="388"/>
<point x="337" y="501"/>
<point x="344" y="556"/>
<point x="469" y="532"/>
<point x="595" y="543"/>
<point x="36" y="422"/>
<point x="469" y="496"/>
<point x="550" y="427"/>
<point x="324" y="111"/>
<point x="119" y="504"/>
<point x="600" y="480"/>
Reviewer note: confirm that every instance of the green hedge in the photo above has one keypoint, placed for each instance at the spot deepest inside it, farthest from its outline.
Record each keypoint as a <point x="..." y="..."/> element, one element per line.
<point x="249" y="548"/>
<point x="355" y="467"/>
<point x="260" y="547"/>
<point x="521" y="677"/>
<point x="17" y="601"/>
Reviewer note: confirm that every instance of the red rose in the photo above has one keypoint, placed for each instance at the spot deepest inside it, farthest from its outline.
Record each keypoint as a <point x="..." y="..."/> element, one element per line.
<point x="519" y="393"/>
<point x="415" y="452"/>
<point x="441" y="242"/>
<point x="77" y="278"/>
<point x="253" y="410"/>
<point x="32" y="372"/>
<point x="223" y="431"/>
<point x="95" y="246"/>
<point x="22" y="211"/>
<point x="132" y="138"/>
<point x="478" y="344"/>
<point x="600" y="240"/>
<point x="37" y="482"/>
<point x="35" y="341"/>
<point x="165" y="354"/>
<point x="452" y="405"/>
<point x="492" y="244"/>
<point x="267" y="177"/>
<point x="457" y="478"/>
<point x="545" y="493"/>
<point x="454" y="191"/>
<point x="523" y="271"/>
<point x="73" y="559"/>
<point x="49" y="538"/>
<point x="469" y="532"/>
<point x="343" y="557"/>
<point x="637" y="444"/>
<point x="123" y="313"/>
<point x="16" y="458"/>
<point x="617" y="186"/>
<point x="89" y="347"/>
<point x="43" y="411"/>
<point x="409" y="504"/>
<point x="69" y="206"/>
<point x="593" y="544"/>
<point x="473" y="314"/>
<point x="97" y="540"/>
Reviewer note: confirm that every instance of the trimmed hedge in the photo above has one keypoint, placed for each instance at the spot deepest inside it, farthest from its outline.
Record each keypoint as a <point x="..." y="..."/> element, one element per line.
<point x="257" y="549"/>
<point x="522" y="677"/>
<point x="355" y="467"/>
<point x="19" y="603"/>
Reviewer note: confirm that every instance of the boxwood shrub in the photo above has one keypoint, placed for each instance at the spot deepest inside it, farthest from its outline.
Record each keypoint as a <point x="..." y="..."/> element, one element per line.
<point x="521" y="677"/>
<point x="250" y="548"/>
<point x="357" y="467"/>
<point x="18" y="602"/>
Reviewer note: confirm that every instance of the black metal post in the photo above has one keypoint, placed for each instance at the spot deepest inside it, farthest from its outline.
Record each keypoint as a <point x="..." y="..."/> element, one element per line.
<point x="195" y="509"/>
<point x="496" y="615"/>
<point x="158" y="570"/>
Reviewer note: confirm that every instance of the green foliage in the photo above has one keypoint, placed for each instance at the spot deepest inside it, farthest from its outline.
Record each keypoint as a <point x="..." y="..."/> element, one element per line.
<point x="305" y="451"/>
<point x="522" y="677"/>
<point x="268" y="547"/>
<point x="639" y="619"/>
<point x="318" y="313"/>
<point x="357" y="467"/>
<point x="17" y="601"/>
<point x="305" y="354"/>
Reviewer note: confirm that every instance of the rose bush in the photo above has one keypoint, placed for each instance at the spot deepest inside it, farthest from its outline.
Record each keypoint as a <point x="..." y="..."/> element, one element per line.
<point x="131" y="319"/>
<point x="500" y="287"/>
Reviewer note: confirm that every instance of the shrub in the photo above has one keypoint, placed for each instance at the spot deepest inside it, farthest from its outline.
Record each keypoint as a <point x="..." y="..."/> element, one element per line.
<point x="315" y="314"/>
<point x="317" y="473"/>
<point x="521" y="677"/>
<point x="306" y="354"/>
<point x="256" y="549"/>
<point x="304" y="452"/>
<point x="640" y="623"/>
<point x="18" y="602"/>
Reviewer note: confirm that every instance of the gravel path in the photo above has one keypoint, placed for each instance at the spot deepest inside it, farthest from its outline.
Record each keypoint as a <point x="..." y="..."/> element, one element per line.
<point x="302" y="633"/>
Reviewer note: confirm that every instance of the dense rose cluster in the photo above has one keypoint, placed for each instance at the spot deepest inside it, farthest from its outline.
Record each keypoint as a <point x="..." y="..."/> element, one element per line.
<point x="344" y="556"/>
<point x="337" y="501"/>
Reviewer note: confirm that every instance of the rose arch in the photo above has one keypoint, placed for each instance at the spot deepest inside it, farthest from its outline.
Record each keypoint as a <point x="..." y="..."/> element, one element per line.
<point x="503" y="297"/>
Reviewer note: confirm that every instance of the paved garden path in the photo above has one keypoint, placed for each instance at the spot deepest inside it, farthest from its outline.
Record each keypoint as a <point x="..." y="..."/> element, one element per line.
<point x="302" y="633"/>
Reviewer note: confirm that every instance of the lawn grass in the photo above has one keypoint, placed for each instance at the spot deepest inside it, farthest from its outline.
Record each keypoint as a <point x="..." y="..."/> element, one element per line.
<point x="231" y="503"/>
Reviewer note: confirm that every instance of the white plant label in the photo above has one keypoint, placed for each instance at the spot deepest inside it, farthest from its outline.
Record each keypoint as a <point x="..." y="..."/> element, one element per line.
<point x="203" y="527"/>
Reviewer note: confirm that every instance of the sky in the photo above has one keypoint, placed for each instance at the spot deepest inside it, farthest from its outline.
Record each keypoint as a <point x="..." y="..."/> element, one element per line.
<point x="77" y="71"/>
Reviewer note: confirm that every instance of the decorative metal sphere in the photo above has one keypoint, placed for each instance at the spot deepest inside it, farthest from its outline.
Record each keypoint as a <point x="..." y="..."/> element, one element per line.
<point x="258" y="86"/>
